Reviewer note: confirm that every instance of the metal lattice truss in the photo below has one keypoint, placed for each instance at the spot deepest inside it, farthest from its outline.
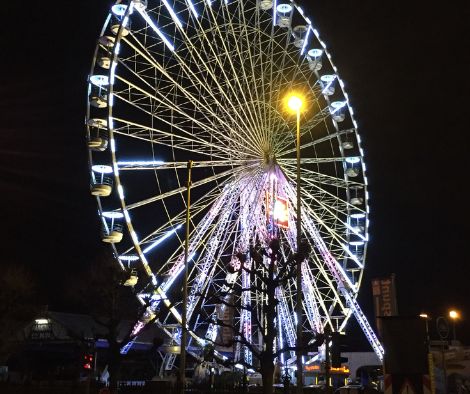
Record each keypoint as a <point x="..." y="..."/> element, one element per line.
<point x="207" y="81"/>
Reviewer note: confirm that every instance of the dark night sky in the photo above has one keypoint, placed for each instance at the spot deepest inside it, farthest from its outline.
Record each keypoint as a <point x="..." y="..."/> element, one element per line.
<point x="406" y="69"/>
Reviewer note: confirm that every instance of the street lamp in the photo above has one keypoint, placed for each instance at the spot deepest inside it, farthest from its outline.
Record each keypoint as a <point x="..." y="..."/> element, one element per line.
<point x="295" y="104"/>
<point x="426" y="318"/>
<point x="454" y="315"/>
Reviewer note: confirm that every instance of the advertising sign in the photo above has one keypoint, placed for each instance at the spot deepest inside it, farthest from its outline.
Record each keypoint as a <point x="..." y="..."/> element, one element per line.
<point x="385" y="299"/>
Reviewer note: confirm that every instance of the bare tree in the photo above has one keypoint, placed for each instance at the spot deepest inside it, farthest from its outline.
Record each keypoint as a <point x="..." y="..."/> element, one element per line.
<point x="100" y="292"/>
<point x="17" y="304"/>
<point x="270" y="272"/>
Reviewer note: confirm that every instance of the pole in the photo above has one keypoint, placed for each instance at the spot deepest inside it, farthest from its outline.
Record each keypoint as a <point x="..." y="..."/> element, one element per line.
<point x="184" y="333"/>
<point x="327" y="360"/>
<point x="298" y="307"/>
<point x="432" y="377"/>
<point x="444" y="367"/>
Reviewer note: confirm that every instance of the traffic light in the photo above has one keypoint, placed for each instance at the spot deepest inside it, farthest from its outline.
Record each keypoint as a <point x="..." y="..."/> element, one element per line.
<point x="335" y="349"/>
<point x="87" y="362"/>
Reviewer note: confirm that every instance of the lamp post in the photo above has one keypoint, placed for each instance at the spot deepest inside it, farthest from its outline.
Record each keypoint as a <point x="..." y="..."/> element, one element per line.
<point x="432" y="377"/>
<point x="295" y="104"/>
<point x="184" y="331"/>
<point x="442" y="326"/>
<point x="426" y="318"/>
<point x="454" y="315"/>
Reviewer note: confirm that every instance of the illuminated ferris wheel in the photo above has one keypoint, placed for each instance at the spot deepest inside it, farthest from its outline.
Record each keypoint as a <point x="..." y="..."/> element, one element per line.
<point x="207" y="81"/>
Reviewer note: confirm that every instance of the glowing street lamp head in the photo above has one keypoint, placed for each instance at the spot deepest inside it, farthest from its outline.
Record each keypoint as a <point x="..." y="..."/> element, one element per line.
<point x="424" y="315"/>
<point x="453" y="314"/>
<point x="295" y="103"/>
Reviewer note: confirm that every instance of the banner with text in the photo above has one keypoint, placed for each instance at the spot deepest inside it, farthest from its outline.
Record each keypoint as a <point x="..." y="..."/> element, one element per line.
<point x="385" y="299"/>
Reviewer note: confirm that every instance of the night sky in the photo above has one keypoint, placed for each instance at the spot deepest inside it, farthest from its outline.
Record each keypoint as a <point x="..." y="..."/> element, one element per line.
<point x="406" y="67"/>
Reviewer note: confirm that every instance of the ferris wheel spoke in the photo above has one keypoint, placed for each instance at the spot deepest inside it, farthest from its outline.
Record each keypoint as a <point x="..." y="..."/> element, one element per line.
<point x="228" y="173"/>
<point x="146" y="135"/>
<point x="319" y="117"/>
<point x="317" y="141"/>
<point x="250" y="209"/>
<point x="323" y="285"/>
<point x="205" y="109"/>
<point x="214" y="249"/>
<point x="287" y="80"/>
<point x="221" y="84"/>
<point x="227" y="56"/>
<point x="318" y="177"/>
<point x="247" y="58"/>
<point x="203" y="64"/>
<point x="152" y="240"/>
<point x="336" y="270"/>
<point x="205" y="227"/>
<point x="314" y="300"/>
<point x="286" y="322"/>
<point x="203" y="275"/>
<point x="313" y="295"/>
<point x="315" y="192"/>
<point x="140" y="165"/>
<point x="341" y="242"/>
<point x="166" y="137"/>
<point x="265" y="45"/>
<point x="197" y="207"/>
<point x="205" y="106"/>
<point x="272" y="69"/>
<point x="312" y="160"/>
<point x="331" y="262"/>
<point x="336" y="220"/>
<point x="198" y="236"/>
<point x="249" y="196"/>
<point x="186" y="117"/>
<point x="164" y="101"/>
<point x="176" y="141"/>
<point x="340" y="210"/>
<point x="325" y="179"/>
<point x="259" y="59"/>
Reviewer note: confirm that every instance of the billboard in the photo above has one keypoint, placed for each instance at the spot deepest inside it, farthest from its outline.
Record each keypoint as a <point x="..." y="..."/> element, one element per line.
<point x="385" y="299"/>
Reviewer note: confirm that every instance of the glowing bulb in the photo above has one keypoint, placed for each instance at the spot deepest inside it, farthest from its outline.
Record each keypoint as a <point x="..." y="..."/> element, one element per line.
<point x="454" y="314"/>
<point x="295" y="103"/>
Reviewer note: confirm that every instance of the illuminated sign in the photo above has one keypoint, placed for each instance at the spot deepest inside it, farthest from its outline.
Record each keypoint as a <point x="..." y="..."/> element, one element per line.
<point x="342" y="369"/>
<point x="312" y="368"/>
<point x="321" y="369"/>
<point x="279" y="210"/>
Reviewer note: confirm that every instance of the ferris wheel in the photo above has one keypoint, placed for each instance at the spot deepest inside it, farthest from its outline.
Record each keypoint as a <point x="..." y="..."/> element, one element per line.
<point x="207" y="81"/>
